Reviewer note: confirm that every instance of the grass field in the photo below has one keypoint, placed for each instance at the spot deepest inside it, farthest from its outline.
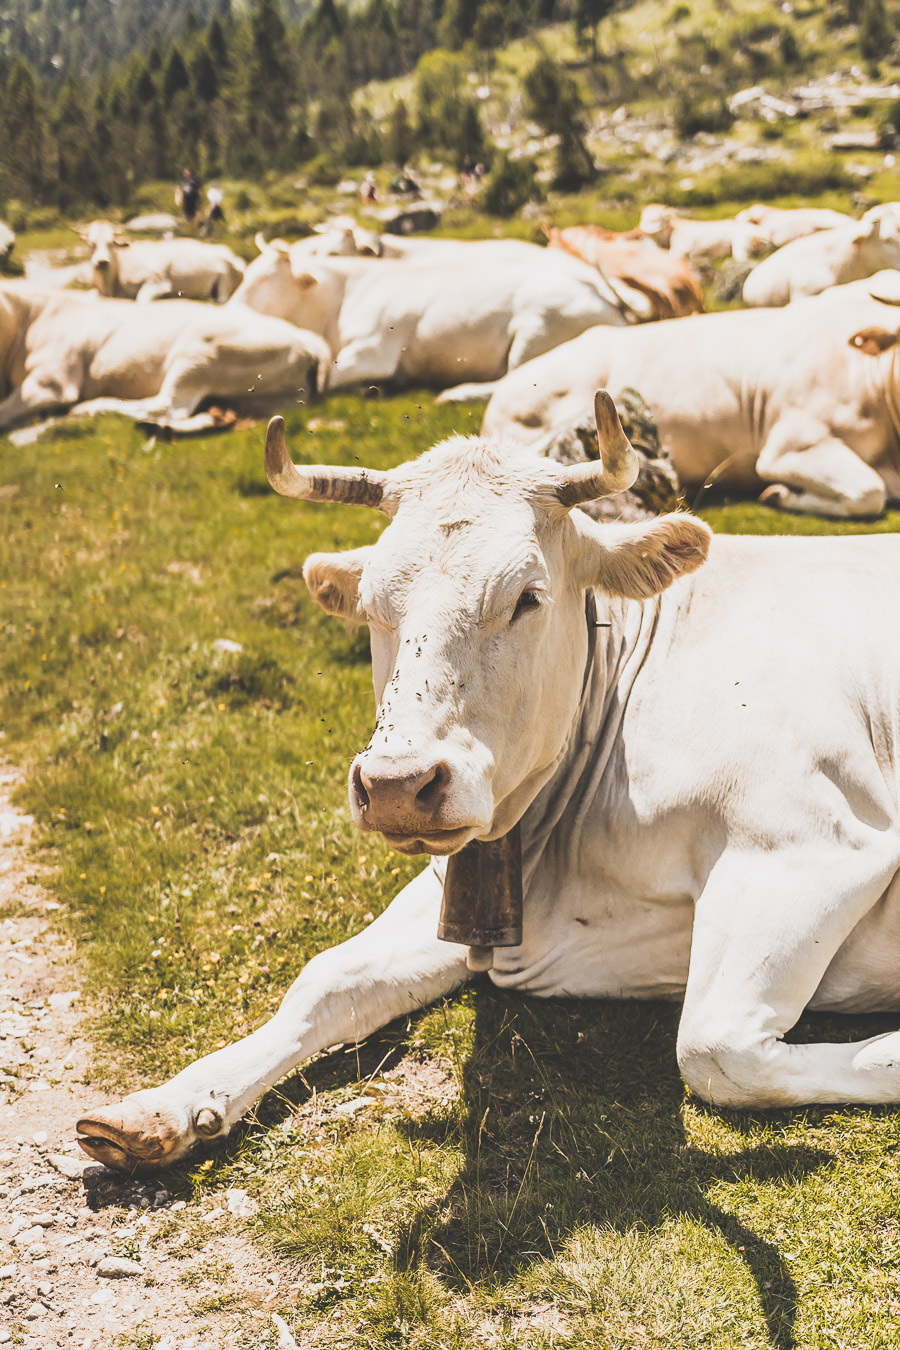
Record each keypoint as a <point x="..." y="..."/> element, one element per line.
<point x="557" y="1185"/>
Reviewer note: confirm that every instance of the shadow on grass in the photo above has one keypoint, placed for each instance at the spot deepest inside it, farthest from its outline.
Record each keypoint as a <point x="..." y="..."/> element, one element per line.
<point x="572" y="1117"/>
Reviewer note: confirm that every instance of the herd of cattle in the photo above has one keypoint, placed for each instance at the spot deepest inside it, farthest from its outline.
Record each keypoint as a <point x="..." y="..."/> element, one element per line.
<point x="679" y="752"/>
<point x="798" y="401"/>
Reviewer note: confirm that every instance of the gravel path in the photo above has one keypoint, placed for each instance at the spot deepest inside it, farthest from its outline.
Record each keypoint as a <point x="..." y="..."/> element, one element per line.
<point x="88" y="1258"/>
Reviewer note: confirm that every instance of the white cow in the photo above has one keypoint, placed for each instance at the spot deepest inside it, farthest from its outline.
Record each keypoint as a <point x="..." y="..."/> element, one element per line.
<point x="7" y="241"/>
<point x="62" y="350"/>
<point x="776" y="226"/>
<point x="425" y="322"/>
<point x="342" y="238"/>
<point x="805" y="399"/>
<point x="700" y="241"/>
<point x="809" y="266"/>
<point x="705" y="772"/>
<point x="152" y="269"/>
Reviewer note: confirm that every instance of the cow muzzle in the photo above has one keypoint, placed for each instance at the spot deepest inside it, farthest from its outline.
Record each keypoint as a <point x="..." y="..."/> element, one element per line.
<point x="410" y="806"/>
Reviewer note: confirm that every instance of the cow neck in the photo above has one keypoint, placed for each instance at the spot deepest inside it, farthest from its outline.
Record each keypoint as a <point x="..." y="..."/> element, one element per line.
<point x="619" y="637"/>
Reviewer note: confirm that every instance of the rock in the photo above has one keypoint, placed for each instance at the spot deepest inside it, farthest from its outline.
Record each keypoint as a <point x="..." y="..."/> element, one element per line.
<point x="63" y="1002"/>
<point x="239" y="1203"/>
<point x="5" y="1336"/>
<point x="213" y="1215"/>
<point x="7" y="1272"/>
<point x="285" y="1339"/>
<point x="73" y="1168"/>
<point x="45" y="1220"/>
<point x="40" y="1138"/>
<point x="34" y="1312"/>
<point x="28" y="1236"/>
<point x="656" y="487"/>
<point x="227" y="645"/>
<point x="118" y="1267"/>
<point x="45" y="1289"/>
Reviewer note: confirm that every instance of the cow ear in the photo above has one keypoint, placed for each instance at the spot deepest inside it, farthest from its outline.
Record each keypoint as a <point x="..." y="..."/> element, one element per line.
<point x="637" y="561"/>
<point x="333" y="581"/>
<point x="873" y="341"/>
<point x="302" y="275"/>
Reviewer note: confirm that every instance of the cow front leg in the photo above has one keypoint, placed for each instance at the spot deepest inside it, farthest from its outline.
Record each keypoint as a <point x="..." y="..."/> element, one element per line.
<point x="766" y="929"/>
<point x="814" y="473"/>
<point x="394" y="966"/>
<point x="38" y="393"/>
<point x="370" y="360"/>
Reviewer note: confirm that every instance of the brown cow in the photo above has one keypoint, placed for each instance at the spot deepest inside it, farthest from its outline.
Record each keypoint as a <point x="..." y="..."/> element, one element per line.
<point x="667" y="283"/>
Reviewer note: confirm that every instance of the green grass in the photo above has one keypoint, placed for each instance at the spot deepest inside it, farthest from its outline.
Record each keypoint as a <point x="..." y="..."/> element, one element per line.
<point x="565" y="1189"/>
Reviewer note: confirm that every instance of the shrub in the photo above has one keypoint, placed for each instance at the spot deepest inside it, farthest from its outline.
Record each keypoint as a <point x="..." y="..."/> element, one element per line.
<point x="693" y="114"/>
<point x="509" y="185"/>
<point x="323" y="172"/>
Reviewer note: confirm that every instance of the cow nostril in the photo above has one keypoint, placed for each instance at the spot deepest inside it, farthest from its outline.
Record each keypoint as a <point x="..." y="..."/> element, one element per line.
<point x="428" y="795"/>
<point x="359" y="787"/>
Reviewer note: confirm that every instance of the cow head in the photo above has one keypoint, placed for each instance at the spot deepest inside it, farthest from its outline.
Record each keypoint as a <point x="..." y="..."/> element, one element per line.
<point x="287" y="283"/>
<point x="475" y="600"/>
<point x="103" y="240"/>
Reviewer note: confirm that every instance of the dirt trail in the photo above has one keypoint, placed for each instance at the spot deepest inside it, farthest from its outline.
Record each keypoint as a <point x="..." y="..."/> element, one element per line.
<point x="90" y="1259"/>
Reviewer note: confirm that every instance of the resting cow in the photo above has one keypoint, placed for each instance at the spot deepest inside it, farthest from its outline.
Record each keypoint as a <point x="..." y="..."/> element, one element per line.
<point x="425" y="323"/>
<point x="693" y="822"/>
<point x="664" y="281"/>
<point x="804" y="399"/>
<point x="153" y="269"/>
<point x="809" y="266"/>
<point x="159" y="363"/>
<point x="776" y="226"/>
<point x="699" y="241"/>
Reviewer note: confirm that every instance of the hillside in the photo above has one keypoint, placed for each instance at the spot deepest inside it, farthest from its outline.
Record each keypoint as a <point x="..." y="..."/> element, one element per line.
<point x="703" y="102"/>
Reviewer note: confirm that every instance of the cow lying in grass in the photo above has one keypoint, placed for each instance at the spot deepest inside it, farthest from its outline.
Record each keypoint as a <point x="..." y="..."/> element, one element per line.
<point x="62" y="351"/>
<point x="802" y="399"/>
<point x="702" y="767"/>
<point x="153" y="269"/>
<point x="430" y="322"/>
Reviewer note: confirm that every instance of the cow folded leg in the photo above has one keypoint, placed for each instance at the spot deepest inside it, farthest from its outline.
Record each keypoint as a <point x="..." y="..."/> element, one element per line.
<point x="813" y="472"/>
<point x="38" y="394"/>
<point x="394" y="966"/>
<point x="766" y="929"/>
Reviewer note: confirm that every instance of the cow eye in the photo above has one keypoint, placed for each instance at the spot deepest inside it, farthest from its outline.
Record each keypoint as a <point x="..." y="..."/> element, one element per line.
<point x="528" y="600"/>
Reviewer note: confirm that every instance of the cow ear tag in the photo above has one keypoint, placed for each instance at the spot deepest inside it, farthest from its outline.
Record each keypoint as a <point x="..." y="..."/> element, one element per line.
<point x="482" y="904"/>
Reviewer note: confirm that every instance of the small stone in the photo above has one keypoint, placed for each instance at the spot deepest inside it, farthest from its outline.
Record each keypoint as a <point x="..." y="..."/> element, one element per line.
<point x="227" y="645"/>
<point x="40" y="1138"/>
<point x="102" y="1296"/>
<point x="45" y="1289"/>
<point x="34" y="1312"/>
<point x="7" y="1272"/>
<point x="239" y="1203"/>
<point x="73" y="1168"/>
<point x="160" y="1199"/>
<point x="44" y="1220"/>
<point x="214" y="1215"/>
<point x="178" y="1204"/>
<point x="63" y="1002"/>
<point x="118" y="1267"/>
<point x="5" y="1336"/>
<point x="28" y="1236"/>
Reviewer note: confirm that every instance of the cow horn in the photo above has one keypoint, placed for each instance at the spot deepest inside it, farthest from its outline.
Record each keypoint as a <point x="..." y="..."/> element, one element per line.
<point x="618" y="467"/>
<point x="320" y="482"/>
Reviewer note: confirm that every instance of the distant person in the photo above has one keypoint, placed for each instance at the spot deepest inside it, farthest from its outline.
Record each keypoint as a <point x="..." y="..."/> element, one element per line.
<point x="187" y="195"/>
<point x="369" y="190"/>
<point x="214" y="213"/>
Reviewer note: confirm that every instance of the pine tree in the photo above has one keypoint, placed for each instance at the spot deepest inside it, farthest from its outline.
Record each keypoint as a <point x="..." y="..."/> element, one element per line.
<point x="874" y="31"/>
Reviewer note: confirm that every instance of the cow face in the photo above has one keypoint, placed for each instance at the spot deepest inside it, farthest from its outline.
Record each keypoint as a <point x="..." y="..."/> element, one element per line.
<point x="475" y="600"/>
<point x="101" y="238"/>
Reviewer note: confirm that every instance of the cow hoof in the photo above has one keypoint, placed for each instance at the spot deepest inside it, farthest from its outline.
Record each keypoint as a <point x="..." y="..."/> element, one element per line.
<point x="777" y="495"/>
<point x="140" y="1134"/>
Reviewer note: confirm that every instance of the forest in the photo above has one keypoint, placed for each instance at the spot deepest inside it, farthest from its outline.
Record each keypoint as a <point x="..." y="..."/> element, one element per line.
<point x="100" y="99"/>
